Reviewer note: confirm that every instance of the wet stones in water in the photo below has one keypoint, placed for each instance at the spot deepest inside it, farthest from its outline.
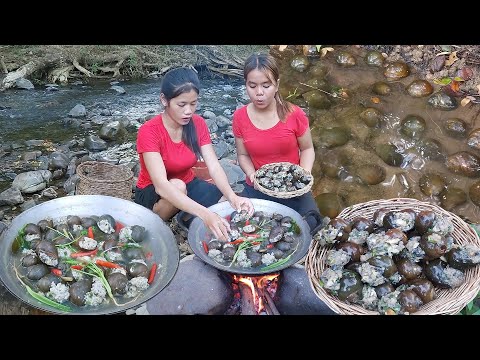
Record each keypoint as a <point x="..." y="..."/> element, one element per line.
<point x="431" y="149"/>
<point x="456" y="128"/>
<point x="289" y="90"/>
<point x="300" y="63"/>
<point x="442" y="101"/>
<point x="396" y="70"/>
<point x="317" y="99"/>
<point x="317" y="71"/>
<point x="314" y="84"/>
<point x="474" y="139"/>
<point x="371" y="117"/>
<point x="371" y="174"/>
<point x="389" y="154"/>
<point x="333" y="162"/>
<point x="419" y="88"/>
<point x="452" y="197"/>
<point x="381" y="88"/>
<point x="413" y="126"/>
<point x="432" y="184"/>
<point x="329" y="204"/>
<point x="464" y="163"/>
<point x="333" y="137"/>
<point x="344" y="58"/>
<point x="374" y="58"/>
<point x="474" y="193"/>
<point x="311" y="51"/>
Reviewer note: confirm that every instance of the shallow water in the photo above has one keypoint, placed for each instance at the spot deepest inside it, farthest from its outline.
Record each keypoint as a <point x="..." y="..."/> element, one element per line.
<point x="400" y="181"/>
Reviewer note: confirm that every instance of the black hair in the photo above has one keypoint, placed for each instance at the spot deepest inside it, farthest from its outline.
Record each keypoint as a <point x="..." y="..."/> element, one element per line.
<point x="267" y="64"/>
<point x="176" y="82"/>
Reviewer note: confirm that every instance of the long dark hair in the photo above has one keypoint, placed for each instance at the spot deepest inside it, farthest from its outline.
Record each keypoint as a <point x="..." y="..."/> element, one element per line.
<point x="174" y="83"/>
<point x="267" y="64"/>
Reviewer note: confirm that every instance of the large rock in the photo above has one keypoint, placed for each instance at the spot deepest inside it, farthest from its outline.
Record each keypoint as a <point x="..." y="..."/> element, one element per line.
<point x="197" y="288"/>
<point x="296" y="296"/>
<point x="32" y="181"/>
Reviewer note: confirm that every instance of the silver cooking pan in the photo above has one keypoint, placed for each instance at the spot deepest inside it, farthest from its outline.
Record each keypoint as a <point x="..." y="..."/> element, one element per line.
<point x="198" y="232"/>
<point x="160" y="241"/>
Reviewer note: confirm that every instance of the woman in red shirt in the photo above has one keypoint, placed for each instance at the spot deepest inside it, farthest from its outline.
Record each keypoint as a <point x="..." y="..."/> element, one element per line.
<point x="169" y="145"/>
<point x="269" y="130"/>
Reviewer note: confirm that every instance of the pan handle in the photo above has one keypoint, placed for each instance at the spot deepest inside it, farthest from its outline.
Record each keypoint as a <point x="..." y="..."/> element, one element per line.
<point x="317" y="217"/>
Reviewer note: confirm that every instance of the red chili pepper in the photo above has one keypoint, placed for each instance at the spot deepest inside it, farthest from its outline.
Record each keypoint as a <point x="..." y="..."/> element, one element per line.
<point x="84" y="253"/>
<point x="107" y="264"/>
<point x="252" y="236"/>
<point x="118" y="226"/>
<point x="77" y="267"/>
<point x="153" y="271"/>
<point x="57" y="272"/>
<point x="238" y="241"/>
<point x="90" y="232"/>
<point x="205" y="246"/>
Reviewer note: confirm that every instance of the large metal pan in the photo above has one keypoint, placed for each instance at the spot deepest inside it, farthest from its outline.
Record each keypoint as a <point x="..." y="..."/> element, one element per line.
<point x="198" y="232"/>
<point x="160" y="241"/>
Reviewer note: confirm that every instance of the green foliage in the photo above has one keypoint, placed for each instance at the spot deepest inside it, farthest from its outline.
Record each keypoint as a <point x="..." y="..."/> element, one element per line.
<point x="290" y="94"/>
<point x="472" y="307"/>
<point x="95" y="67"/>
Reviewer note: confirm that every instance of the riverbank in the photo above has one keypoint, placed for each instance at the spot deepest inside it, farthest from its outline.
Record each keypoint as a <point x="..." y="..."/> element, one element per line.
<point x="457" y="67"/>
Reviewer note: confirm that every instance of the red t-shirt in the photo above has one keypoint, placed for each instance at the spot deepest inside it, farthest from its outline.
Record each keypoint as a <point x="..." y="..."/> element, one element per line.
<point x="177" y="157"/>
<point x="277" y="144"/>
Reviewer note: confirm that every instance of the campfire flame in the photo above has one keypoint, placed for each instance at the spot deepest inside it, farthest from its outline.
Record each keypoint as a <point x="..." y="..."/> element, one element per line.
<point x="261" y="287"/>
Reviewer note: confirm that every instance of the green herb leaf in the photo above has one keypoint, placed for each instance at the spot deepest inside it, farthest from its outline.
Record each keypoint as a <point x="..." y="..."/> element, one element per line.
<point x="442" y="81"/>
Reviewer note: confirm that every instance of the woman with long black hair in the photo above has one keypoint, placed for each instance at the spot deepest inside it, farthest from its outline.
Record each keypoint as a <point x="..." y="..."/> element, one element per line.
<point x="169" y="145"/>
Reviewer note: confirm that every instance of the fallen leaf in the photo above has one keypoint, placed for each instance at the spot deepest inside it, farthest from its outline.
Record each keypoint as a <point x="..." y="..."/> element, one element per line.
<point x="437" y="63"/>
<point x="465" y="101"/>
<point x="442" y="81"/>
<point x="455" y="86"/>
<point x="451" y="59"/>
<point x="282" y="47"/>
<point x="375" y="100"/>
<point x="324" y="51"/>
<point x="466" y="73"/>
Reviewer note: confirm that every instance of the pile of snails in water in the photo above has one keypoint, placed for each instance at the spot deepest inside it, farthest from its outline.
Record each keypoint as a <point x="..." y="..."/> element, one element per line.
<point x="393" y="262"/>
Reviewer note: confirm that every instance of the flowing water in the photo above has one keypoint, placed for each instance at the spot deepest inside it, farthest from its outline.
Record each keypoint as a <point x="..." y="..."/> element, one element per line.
<point x="39" y="114"/>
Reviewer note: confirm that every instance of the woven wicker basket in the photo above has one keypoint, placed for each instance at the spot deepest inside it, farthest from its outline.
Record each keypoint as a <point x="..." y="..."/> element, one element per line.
<point x="101" y="178"/>
<point x="447" y="302"/>
<point x="276" y="194"/>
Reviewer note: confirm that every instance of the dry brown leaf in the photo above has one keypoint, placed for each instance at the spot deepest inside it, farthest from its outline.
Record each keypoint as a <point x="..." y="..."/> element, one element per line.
<point x="455" y="85"/>
<point x="465" y="101"/>
<point x="451" y="59"/>
<point x="282" y="47"/>
<point x="324" y="51"/>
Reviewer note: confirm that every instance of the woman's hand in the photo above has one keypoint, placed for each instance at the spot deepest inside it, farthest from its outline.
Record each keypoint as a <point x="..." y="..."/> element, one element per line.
<point x="240" y="203"/>
<point x="218" y="225"/>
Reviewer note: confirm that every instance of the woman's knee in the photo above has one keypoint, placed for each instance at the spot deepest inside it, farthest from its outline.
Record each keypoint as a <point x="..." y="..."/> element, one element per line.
<point x="179" y="184"/>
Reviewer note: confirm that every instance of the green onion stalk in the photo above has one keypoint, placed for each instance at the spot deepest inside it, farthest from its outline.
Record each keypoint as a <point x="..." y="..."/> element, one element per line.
<point x="40" y="297"/>
<point x="280" y="262"/>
